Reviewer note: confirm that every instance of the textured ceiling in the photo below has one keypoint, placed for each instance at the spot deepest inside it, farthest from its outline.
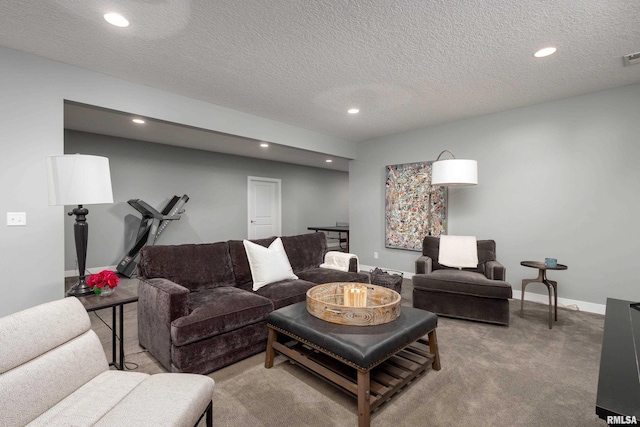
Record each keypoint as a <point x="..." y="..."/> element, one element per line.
<point x="406" y="64"/>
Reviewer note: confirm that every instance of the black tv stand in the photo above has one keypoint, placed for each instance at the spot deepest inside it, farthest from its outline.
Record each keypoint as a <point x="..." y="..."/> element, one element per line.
<point x="618" y="399"/>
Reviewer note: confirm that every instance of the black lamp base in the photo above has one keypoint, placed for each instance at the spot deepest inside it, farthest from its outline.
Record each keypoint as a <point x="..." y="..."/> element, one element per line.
<point x="80" y="289"/>
<point x="81" y="233"/>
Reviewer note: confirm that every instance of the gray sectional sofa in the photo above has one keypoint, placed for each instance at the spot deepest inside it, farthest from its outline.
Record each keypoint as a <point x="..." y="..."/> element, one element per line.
<point x="197" y="311"/>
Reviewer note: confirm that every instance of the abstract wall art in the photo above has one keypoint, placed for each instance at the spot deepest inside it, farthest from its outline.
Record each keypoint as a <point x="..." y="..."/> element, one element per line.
<point x="413" y="208"/>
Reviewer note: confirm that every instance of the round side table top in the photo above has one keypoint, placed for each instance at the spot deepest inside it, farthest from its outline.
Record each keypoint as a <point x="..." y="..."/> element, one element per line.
<point x="541" y="266"/>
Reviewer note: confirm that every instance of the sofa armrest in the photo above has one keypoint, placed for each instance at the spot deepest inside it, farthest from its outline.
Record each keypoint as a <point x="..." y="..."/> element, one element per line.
<point x="160" y="302"/>
<point x="495" y="271"/>
<point x="338" y="260"/>
<point x="424" y="265"/>
<point x="353" y="265"/>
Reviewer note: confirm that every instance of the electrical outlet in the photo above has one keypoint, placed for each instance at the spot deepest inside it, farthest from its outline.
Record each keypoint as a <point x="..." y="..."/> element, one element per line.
<point x="16" y="218"/>
<point x="375" y="255"/>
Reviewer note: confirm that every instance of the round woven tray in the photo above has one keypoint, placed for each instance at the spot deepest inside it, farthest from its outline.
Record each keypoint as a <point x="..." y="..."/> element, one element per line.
<point x="326" y="302"/>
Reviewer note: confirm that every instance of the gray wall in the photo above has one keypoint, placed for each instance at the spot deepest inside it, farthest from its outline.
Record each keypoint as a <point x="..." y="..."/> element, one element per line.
<point x="217" y="188"/>
<point x="558" y="180"/>
<point x="31" y="118"/>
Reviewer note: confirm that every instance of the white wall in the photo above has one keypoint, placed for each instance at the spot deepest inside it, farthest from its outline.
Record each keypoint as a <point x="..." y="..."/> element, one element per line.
<point x="217" y="188"/>
<point x="31" y="119"/>
<point x="558" y="179"/>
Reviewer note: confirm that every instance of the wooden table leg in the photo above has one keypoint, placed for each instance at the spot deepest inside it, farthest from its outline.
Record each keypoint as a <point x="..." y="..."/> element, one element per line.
<point x="364" y="396"/>
<point x="433" y="349"/>
<point x="270" y="353"/>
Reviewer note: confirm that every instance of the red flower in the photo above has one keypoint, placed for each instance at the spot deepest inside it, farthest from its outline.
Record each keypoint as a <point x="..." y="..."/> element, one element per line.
<point x="102" y="279"/>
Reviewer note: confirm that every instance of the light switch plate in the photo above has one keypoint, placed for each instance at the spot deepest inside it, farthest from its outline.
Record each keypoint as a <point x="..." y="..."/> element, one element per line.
<point x="16" y="218"/>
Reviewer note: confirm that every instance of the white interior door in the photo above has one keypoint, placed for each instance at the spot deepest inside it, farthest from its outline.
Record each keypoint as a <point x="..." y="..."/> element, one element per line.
<point x="264" y="207"/>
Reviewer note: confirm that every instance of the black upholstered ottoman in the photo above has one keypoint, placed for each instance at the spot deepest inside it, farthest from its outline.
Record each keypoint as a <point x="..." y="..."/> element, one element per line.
<point x="384" y="357"/>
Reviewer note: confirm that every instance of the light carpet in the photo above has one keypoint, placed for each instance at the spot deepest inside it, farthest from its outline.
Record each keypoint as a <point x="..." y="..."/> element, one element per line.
<point x="523" y="375"/>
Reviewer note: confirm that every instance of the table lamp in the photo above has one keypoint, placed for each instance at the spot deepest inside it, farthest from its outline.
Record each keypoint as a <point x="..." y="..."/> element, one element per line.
<point x="78" y="179"/>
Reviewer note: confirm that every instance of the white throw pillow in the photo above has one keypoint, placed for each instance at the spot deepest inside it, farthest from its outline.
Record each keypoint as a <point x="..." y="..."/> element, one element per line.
<point x="268" y="265"/>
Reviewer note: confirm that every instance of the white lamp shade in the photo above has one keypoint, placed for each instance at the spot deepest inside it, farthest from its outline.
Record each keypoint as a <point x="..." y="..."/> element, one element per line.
<point x="78" y="179"/>
<point x="454" y="173"/>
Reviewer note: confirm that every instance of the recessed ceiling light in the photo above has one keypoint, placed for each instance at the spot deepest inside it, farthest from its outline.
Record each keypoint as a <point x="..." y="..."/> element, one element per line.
<point x="138" y="121"/>
<point x="329" y="161"/>
<point x="353" y="110"/>
<point x="116" y="19"/>
<point x="545" y="52"/>
<point x="264" y="145"/>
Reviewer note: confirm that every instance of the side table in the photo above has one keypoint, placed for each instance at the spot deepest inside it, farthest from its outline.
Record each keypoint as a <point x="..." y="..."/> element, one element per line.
<point x="116" y="300"/>
<point x="542" y="278"/>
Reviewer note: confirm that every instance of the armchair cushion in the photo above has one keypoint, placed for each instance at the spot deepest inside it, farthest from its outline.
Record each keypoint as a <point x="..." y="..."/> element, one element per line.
<point x="462" y="282"/>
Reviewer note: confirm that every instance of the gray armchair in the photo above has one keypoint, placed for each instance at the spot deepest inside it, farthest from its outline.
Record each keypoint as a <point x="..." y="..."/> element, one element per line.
<point x="479" y="293"/>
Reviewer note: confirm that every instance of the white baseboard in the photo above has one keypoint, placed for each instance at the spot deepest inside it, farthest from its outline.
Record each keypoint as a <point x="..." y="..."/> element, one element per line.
<point x="92" y="270"/>
<point x="570" y="304"/>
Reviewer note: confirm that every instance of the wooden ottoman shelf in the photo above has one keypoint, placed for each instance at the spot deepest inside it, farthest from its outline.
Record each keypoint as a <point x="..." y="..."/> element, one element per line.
<point x="369" y="362"/>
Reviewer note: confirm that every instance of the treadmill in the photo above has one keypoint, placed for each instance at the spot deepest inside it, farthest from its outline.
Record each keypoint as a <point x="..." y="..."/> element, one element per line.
<point x="152" y="224"/>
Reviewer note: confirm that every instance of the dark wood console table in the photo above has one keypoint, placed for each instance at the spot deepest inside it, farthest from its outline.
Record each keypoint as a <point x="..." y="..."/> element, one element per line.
<point x="340" y="229"/>
<point x="619" y="379"/>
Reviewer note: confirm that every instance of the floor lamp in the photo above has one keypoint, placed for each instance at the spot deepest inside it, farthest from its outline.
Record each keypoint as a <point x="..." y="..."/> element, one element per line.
<point x="78" y="179"/>
<point x="452" y="173"/>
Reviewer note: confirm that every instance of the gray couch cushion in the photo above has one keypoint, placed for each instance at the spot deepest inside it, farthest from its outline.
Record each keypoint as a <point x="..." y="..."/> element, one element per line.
<point x="216" y="311"/>
<point x="286" y="292"/>
<point x="327" y="275"/>
<point x="305" y="251"/>
<point x="194" y="266"/>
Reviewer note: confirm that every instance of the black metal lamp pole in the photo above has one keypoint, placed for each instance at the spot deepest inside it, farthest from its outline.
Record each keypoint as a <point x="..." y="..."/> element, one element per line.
<point x="81" y="233"/>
